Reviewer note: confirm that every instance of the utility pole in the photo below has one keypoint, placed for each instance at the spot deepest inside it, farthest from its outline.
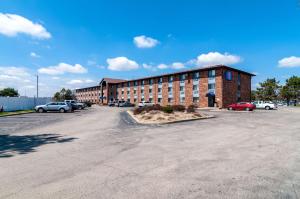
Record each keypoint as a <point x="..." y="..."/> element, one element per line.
<point x="37" y="86"/>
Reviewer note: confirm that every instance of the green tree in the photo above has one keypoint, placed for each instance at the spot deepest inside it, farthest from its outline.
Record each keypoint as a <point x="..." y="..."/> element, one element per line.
<point x="9" y="92"/>
<point x="268" y="90"/>
<point x="253" y="95"/>
<point x="63" y="94"/>
<point x="291" y="89"/>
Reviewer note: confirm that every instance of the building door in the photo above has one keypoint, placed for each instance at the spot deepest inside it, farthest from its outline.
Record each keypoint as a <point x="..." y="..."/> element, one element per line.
<point x="211" y="100"/>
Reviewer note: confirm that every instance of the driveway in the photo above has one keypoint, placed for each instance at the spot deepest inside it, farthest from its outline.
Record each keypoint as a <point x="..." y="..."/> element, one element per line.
<point x="101" y="154"/>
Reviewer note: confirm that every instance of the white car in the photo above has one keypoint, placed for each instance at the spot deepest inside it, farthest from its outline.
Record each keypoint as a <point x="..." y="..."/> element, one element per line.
<point x="144" y="103"/>
<point x="265" y="105"/>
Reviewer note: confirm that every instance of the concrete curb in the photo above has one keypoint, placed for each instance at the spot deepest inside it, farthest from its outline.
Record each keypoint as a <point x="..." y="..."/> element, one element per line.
<point x="171" y="122"/>
<point x="14" y="114"/>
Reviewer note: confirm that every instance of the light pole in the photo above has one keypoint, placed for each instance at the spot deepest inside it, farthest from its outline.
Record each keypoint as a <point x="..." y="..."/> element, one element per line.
<point x="37" y="86"/>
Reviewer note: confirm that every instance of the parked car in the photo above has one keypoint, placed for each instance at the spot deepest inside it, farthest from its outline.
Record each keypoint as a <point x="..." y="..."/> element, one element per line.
<point x="53" y="106"/>
<point x="247" y="106"/>
<point x="265" y="105"/>
<point x="76" y="105"/>
<point x="111" y="103"/>
<point x="144" y="103"/>
<point x="126" y="104"/>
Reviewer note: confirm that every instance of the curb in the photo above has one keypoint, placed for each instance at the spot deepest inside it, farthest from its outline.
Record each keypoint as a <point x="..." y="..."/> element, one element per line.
<point x="171" y="122"/>
<point x="14" y="114"/>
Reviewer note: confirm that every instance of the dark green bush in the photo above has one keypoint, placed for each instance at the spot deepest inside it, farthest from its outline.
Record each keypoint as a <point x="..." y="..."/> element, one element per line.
<point x="191" y="109"/>
<point x="88" y="103"/>
<point x="180" y="108"/>
<point x="167" y="109"/>
<point x="138" y="110"/>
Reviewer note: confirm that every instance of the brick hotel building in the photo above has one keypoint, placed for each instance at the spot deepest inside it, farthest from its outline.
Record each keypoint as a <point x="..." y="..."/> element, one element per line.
<point x="204" y="87"/>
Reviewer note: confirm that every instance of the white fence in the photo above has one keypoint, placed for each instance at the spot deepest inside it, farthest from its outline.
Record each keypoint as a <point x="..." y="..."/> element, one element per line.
<point x="22" y="103"/>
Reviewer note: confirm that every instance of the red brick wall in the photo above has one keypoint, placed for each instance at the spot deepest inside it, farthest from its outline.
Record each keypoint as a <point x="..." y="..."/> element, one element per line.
<point x="203" y="86"/>
<point x="245" y="88"/>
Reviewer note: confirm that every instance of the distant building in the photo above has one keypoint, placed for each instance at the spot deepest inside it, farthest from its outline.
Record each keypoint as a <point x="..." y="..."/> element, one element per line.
<point x="204" y="87"/>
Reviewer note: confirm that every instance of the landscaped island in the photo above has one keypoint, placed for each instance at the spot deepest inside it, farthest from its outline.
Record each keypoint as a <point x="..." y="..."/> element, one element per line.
<point x="165" y="114"/>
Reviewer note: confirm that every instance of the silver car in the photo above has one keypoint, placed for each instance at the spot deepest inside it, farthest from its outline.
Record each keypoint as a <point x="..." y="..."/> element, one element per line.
<point x="53" y="106"/>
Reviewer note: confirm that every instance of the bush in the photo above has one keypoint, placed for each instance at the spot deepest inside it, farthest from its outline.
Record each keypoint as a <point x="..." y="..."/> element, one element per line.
<point x="180" y="108"/>
<point x="138" y="110"/>
<point x="167" y="109"/>
<point x="88" y="103"/>
<point x="191" y="109"/>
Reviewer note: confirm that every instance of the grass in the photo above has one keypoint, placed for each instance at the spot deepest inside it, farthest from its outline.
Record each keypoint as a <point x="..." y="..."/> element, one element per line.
<point x="2" y="114"/>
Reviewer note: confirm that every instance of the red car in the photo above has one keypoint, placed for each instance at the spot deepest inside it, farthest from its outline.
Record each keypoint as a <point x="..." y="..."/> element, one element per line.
<point x="247" y="106"/>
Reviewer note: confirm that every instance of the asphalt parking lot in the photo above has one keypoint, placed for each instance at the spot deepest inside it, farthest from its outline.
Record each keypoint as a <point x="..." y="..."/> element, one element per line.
<point x="100" y="153"/>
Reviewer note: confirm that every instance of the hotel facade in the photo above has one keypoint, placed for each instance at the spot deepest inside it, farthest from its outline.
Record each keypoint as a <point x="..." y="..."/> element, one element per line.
<point x="215" y="86"/>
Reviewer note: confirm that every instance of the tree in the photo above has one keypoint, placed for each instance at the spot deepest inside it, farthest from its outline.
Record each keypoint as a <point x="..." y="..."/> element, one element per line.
<point x="253" y="95"/>
<point x="9" y="92"/>
<point x="291" y="89"/>
<point x="268" y="90"/>
<point x="63" y="94"/>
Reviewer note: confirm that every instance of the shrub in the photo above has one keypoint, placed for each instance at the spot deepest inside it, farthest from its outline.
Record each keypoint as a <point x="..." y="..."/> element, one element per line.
<point x="138" y="110"/>
<point x="88" y="103"/>
<point x="180" y="108"/>
<point x="191" y="109"/>
<point x="155" y="107"/>
<point x="167" y="109"/>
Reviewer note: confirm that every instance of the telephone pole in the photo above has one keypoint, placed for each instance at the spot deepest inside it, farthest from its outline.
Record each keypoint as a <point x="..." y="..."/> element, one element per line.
<point x="37" y="86"/>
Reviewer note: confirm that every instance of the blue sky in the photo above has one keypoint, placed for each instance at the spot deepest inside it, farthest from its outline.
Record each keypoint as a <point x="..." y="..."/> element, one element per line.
<point x="75" y="43"/>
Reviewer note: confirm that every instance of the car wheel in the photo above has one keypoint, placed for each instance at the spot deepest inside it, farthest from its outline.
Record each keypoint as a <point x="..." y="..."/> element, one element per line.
<point x="61" y="110"/>
<point x="247" y="109"/>
<point x="40" y="110"/>
<point x="230" y="108"/>
<point x="267" y="108"/>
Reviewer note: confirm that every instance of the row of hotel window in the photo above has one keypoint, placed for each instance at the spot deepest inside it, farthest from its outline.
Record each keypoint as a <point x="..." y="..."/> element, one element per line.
<point x="182" y="77"/>
<point x="159" y="100"/>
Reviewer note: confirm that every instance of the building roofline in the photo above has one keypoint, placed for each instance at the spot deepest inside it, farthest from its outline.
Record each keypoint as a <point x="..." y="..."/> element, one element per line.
<point x="188" y="71"/>
<point x="87" y="87"/>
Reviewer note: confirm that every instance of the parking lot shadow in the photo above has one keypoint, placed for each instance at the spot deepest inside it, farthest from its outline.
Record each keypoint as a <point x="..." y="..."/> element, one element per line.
<point x="11" y="145"/>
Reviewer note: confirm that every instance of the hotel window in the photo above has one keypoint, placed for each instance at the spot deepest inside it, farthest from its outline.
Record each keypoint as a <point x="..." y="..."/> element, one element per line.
<point x="159" y="100"/>
<point x="182" y="77"/>
<point x="142" y="99"/>
<point x="142" y="82"/>
<point x="181" y="88"/>
<point x="151" y="81"/>
<point x="211" y="73"/>
<point x="196" y="75"/>
<point x="195" y="99"/>
<point x="159" y="90"/>
<point x="182" y="99"/>
<point x="195" y="87"/>
<point x="170" y="99"/>
<point x="160" y="80"/>
<point x="239" y="78"/>
<point x="117" y="93"/>
<point x="170" y="89"/>
<point x="135" y="100"/>
<point x="228" y="75"/>
<point x="128" y="84"/>
<point x="211" y="86"/>
<point x="170" y="78"/>
<point x="135" y="83"/>
<point x="122" y="92"/>
<point x="128" y="92"/>
<point x="142" y="91"/>
<point x="150" y="99"/>
<point x="134" y="91"/>
<point x="150" y="90"/>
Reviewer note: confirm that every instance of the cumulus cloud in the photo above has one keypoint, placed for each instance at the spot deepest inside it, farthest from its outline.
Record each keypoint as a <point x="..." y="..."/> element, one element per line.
<point x="177" y="65"/>
<point x="162" y="66"/>
<point x="121" y="64"/>
<point x="214" y="58"/>
<point x="289" y="62"/>
<point x="34" y="55"/>
<point x="145" y="42"/>
<point x="79" y="81"/>
<point x="11" y="25"/>
<point x="62" y="68"/>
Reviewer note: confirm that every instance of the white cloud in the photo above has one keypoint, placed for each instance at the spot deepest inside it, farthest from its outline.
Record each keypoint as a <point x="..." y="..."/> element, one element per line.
<point x="121" y="64"/>
<point x="145" y="42"/>
<point x="289" y="62"/>
<point x="79" y="81"/>
<point x="62" y="68"/>
<point x="55" y="78"/>
<point x="34" y="55"/>
<point x="12" y="25"/>
<point x="162" y="66"/>
<point x="177" y="65"/>
<point x="14" y="72"/>
<point x="214" y="58"/>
